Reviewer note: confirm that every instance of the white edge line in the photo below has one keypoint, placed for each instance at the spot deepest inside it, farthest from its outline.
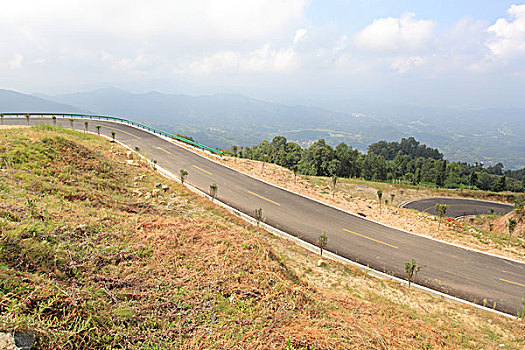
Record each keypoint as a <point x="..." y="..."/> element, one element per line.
<point x="316" y="200"/>
<point x="310" y="247"/>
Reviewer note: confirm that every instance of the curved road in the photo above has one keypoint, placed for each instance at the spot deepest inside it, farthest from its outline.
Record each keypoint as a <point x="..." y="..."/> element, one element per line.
<point x="469" y="275"/>
<point x="458" y="207"/>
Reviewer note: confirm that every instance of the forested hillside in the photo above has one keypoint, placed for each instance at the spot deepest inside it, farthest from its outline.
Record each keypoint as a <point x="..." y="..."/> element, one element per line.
<point x="407" y="161"/>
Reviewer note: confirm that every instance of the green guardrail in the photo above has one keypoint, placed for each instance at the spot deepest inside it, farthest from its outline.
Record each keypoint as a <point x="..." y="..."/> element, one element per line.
<point x="122" y="120"/>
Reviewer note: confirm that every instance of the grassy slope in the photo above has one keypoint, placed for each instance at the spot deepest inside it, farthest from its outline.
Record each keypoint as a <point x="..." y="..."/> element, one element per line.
<point x="85" y="262"/>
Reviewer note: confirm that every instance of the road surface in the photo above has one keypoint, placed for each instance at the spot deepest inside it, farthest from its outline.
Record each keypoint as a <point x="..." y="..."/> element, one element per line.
<point x="469" y="275"/>
<point x="458" y="207"/>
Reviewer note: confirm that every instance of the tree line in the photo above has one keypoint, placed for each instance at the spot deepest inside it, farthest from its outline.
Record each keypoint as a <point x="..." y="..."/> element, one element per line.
<point x="407" y="162"/>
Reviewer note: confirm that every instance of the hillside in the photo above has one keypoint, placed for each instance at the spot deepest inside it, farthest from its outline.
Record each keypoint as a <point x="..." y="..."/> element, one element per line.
<point x="12" y="101"/>
<point x="489" y="135"/>
<point x="94" y="255"/>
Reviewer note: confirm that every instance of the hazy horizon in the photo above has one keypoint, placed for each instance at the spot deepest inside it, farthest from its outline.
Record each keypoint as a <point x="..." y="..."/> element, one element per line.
<point x="462" y="55"/>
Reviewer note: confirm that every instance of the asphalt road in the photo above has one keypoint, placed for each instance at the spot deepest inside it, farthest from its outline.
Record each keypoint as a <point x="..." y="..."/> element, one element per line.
<point x="460" y="272"/>
<point x="458" y="206"/>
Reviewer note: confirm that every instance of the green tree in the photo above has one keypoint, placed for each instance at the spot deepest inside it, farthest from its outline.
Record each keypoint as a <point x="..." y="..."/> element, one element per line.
<point x="316" y="159"/>
<point x="213" y="191"/>
<point x="417" y="177"/>
<point x="502" y="184"/>
<point x="182" y="175"/>
<point x="412" y="268"/>
<point x="379" y="197"/>
<point x="440" y="181"/>
<point x="294" y="170"/>
<point x="473" y="179"/>
<point x="512" y="226"/>
<point x="322" y="240"/>
<point x="293" y="155"/>
<point x="485" y="181"/>
<point x="258" y="215"/>
<point x="518" y="208"/>
<point x="333" y="184"/>
<point x="333" y="167"/>
<point x="278" y="150"/>
<point x="521" y="309"/>
<point x="234" y="150"/>
<point x="264" y="160"/>
<point x="496" y="169"/>
<point x="441" y="210"/>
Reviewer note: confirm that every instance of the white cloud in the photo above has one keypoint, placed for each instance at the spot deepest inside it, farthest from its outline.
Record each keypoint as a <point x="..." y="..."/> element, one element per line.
<point x="467" y="34"/>
<point x="263" y="60"/>
<point x="508" y="37"/>
<point x="39" y="61"/>
<point x="225" y="20"/>
<point x="405" y="64"/>
<point x="341" y="44"/>
<point x="395" y="34"/>
<point x="299" y="34"/>
<point x="349" y="63"/>
<point x="139" y="64"/>
<point x="121" y="40"/>
<point x="16" y="62"/>
<point x="212" y="44"/>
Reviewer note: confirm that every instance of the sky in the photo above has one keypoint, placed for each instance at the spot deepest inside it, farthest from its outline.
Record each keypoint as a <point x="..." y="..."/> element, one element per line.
<point x="460" y="53"/>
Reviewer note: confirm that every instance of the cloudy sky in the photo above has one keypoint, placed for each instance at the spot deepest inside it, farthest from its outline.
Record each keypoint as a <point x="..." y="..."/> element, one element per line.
<point x="449" y="53"/>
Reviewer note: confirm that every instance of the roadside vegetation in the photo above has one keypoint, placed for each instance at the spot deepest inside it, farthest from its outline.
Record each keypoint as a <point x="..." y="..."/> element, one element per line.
<point x="94" y="254"/>
<point x="407" y="162"/>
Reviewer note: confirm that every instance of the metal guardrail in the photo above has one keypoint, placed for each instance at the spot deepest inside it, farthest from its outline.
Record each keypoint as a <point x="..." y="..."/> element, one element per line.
<point x="121" y="120"/>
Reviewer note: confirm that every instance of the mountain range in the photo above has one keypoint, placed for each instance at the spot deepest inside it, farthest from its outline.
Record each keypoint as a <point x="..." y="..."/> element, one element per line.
<point x="221" y="120"/>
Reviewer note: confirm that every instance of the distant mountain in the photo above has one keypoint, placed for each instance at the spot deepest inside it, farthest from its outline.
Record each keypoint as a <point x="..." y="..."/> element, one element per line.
<point x="226" y="119"/>
<point x="15" y="102"/>
<point x="489" y="136"/>
<point x="217" y="109"/>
